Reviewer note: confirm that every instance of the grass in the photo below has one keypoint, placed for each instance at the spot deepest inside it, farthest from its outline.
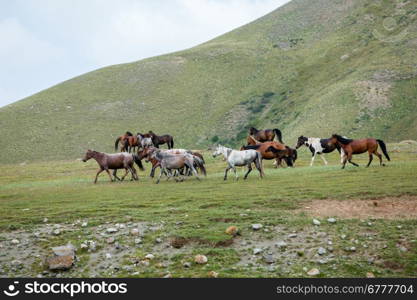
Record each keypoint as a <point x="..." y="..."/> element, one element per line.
<point x="196" y="95"/>
<point x="63" y="192"/>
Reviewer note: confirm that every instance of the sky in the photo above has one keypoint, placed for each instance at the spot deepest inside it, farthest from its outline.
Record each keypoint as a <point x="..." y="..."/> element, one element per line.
<point x="45" y="42"/>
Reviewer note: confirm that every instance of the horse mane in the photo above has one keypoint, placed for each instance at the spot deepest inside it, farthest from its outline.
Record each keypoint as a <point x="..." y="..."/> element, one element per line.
<point x="251" y="147"/>
<point x="343" y="140"/>
<point x="129" y="133"/>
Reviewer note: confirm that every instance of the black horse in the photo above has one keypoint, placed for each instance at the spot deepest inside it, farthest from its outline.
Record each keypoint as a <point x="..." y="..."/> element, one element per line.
<point x="161" y="140"/>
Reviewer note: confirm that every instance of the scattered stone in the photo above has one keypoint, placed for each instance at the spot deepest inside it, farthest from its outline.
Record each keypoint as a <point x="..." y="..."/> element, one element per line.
<point x="329" y="243"/>
<point x="108" y="256"/>
<point x="110" y="240"/>
<point x="321" y="251"/>
<point x="83" y="246"/>
<point x="269" y="259"/>
<point x="145" y="263"/>
<point x="92" y="246"/>
<point x="313" y="272"/>
<point x="281" y="244"/>
<point x="45" y="220"/>
<point x="134" y="232"/>
<point x="257" y="251"/>
<point x="158" y="240"/>
<point x="322" y="261"/>
<point x="331" y="220"/>
<point x="187" y="265"/>
<point x="57" y="263"/>
<point x="56" y="232"/>
<point x="343" y="236"/>
<point x="316" y="222"/>
<point x="15" y="242"/>
<point x="370" y="224"/>
<point x="292" y="235"/>
<point x="344" y="57"/>
<point x="85" y="224"/>
<point x="67" y="250"/>
<point x="150" y="256"/>
<point x="112" y="230"/>
<point x="402" y="248"/>
<point x="370" y="275"/>
<point x="213" y="274"/>
<point x="232" y="230"/>
<point x="169" y="275"/>
<point x="138" y="241"/>
<point x="257" y="227"/>
<point x="201" y="259"/>
<point x="399" y="227"/>
<point x="350" y="249"/>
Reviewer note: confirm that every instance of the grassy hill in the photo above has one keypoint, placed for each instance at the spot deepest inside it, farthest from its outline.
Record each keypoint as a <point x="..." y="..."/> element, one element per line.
<point x="310" y="67"/>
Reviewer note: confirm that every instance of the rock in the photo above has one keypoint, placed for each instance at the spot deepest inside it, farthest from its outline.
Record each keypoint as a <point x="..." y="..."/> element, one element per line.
<point x="322" y="261"/>
<point x="110" y="240"/>
<point x="350" y="249"/>
<point x="402" y="248"/>
<point x="145" y="263"/>
<point x="85" y="224"/>
<point x="321" y="251"/>
<point x="138" y="241"/>
<point x="134" y="232"/>
<point x="281" y="244"/>
<point x="57" y="263"/>
<point x="269" y="259"/>
<point x="316" y="222"/>
<point x="56" y="232"/>
<point x="200" y="259"/>
<point x="15" y="241"/>
<point x="169" y="275"/>
<point x="83" y="246"/>
<point x="187" y="265"/>
<point x="370" y="275"/>
<point x="331" y="220"/>
<point x="343" y="236"/>
<point x="45" y="220"/>
<point x="213" y="274"/>
<point x="150" y="256"/>
<point x="67" y="250"/>
<point x="370" y="224"/>
<point x="232" y="230"/>
<point x="313" y="272"/>
<point x="344" y="57"/>
<point x="92" y="246"/>
<point x="329" y="243"/>
<point x="257" y="251"/>
<point x="292" y="235"/>
<point x="112" y="230"/>
<point x="158" y="240"/>
<point x="257" y="226"/>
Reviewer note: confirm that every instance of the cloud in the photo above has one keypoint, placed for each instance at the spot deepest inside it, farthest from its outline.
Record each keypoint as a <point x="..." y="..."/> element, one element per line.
<point x="44" y="43"/>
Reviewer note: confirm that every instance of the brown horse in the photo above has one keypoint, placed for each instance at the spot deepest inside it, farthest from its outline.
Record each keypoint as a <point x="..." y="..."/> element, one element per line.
<point x="161" y="140"/>
<point x="267" y="135"/>
<point x="131" y="143"/>
<point x="354" y="147"/>
<point x="115" y="162"/>
<point x="274" y="150"/>
<point x="121" y="139"/>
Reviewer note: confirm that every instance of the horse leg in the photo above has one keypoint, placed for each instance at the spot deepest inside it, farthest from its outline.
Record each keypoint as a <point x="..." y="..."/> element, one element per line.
<point x="371" y="158"/>
<point x="344" y="161"/>
<point x="350" y="160"/>
<point x="98" y="173"/>
<point x="249" y="170"/>
<point x="225" y="173"/>
<point x="313" y="158"/>
<point x="160" y="175"/>
<point x="108" y="172"/>
<point x="126" y="172"/>
<point x="324" y="159"/>
<point x="380" y="158"/>
<point x="236" y="176"/>
<point x="134" y="173"/>
<point x="115" y="175"/>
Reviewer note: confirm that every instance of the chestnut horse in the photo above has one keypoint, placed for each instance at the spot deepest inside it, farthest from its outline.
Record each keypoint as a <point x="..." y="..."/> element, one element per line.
<point x="132" y="142"/>
<point x="267" y="135"/>
<point x="274" y="150"/>
<point x="122" y="140"/>
<point x="161" y="140"/>
<point x="354" y="147"/>
<point x="115" y="162"/>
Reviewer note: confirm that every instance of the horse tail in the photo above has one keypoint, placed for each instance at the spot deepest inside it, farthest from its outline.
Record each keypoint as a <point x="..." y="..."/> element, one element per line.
<point x="172" y="143"/>
<point x="116" y="144"/>
<point x="126" y="145"/>
<point x="138" y="162"/>
<point x="295" y="154"/>
<point x="384" y="149"/>
<point x="278" y="133"/>
<point x="200" y="165"/>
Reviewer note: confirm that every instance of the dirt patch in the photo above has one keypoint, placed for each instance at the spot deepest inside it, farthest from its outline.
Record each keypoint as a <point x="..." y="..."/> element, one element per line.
<point x="404" y="207"/>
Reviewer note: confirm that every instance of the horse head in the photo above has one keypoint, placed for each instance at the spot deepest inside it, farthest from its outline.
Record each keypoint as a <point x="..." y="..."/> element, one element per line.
<point x="89" y="155"/>
<point x="302" y="140"/>
<point x="253" y="131"/>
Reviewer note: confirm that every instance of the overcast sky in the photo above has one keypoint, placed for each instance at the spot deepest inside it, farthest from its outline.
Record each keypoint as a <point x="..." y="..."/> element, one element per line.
<point x="44" y="42"/>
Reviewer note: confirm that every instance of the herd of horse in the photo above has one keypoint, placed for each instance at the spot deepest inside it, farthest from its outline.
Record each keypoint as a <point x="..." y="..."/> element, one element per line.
<point x="261" y="145"/>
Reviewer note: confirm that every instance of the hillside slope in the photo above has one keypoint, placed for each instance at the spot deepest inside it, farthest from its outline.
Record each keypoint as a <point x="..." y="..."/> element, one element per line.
<point x="310" y="67"/>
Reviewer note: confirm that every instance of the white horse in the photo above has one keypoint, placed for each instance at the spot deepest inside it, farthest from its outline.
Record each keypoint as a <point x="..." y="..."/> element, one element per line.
<point x="145" y="142"/>
<point x="236" y="158"/>
<point x="320" y="147"/>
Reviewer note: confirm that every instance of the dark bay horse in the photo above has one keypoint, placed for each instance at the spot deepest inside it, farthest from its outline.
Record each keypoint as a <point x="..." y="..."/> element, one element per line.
<point x="121" y="139"/>
<point x="161" y="140"/>
<point x="354" y="147"/>
<point x="275" y="150"/>
<point x="132" y="142"/>
<point x="115" y="162"/>
<point x="267" y="135"/>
